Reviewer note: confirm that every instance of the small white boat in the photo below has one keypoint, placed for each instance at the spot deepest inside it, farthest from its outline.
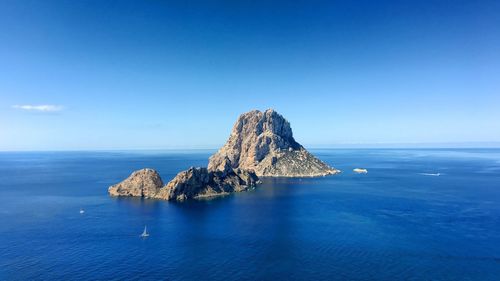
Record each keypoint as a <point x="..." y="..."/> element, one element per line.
<point x="431" y="174"/>
<point x="360" y="171"/>
<point x="145" y="232"/>
<point x="82" y="211"/>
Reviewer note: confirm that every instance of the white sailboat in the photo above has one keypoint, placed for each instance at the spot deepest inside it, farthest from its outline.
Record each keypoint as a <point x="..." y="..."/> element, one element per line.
<point x="145" y="232"/>
<point x="82" y="211"/>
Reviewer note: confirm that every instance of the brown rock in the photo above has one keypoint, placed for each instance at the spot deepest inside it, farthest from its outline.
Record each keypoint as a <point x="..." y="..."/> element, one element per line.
<point x="141" y="183"/>
<point x="193" y="183"/>
<point x="263" y="142"/>
<point x="196" y="183"/>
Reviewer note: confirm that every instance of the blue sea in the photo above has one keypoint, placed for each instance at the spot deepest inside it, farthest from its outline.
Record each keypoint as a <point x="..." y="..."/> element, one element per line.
<point x="398" y="222"/>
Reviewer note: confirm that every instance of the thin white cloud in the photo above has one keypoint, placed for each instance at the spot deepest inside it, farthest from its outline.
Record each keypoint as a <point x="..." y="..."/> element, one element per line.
<point x="39" y="108"/>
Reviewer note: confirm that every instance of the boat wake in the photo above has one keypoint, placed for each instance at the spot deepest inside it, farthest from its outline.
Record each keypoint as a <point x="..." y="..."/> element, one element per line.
<point x="431" y="174"/>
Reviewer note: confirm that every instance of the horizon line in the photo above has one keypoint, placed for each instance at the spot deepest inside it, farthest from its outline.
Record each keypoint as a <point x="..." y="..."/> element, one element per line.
<point x="424" y="145"/>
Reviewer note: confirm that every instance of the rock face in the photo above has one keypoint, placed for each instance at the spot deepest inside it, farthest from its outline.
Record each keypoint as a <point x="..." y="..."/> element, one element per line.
<point x="142" y="183"/>
<point x="263" y="142"/>
<point x="196" y="183"/>
<point x="193" y="183"/>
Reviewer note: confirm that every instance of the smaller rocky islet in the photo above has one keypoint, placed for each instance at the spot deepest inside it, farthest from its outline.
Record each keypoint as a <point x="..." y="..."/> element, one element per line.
<point x="193" y="183"/>
<point x="142" y="183"/>
<point x="261" y="144"/>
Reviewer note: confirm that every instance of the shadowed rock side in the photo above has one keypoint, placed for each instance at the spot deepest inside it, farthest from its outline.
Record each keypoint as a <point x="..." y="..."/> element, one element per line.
<point x="196" y="183"/>
<point x="263" y="142"/>
<point x="193" y="183"/>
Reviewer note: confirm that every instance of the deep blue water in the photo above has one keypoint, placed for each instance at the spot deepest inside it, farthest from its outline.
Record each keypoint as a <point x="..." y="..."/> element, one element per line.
<point x="390" y="224"/>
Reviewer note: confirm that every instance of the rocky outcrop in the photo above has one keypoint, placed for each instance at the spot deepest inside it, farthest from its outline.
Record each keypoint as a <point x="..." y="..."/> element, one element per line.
<point x="196" y="183"/>
<point x="193" y="183"/>
<point x="263" y="142"/>
<point x="142" y="183"/>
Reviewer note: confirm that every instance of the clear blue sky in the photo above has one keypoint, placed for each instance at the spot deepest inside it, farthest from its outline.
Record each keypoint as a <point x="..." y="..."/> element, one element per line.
<point x="167" y="74"/>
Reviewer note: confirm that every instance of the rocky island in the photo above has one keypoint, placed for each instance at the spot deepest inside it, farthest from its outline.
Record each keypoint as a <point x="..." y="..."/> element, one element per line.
<point x="194" y="183"/>
<point x="263" y="142"/>
<point x="260" y="144"/>
<point x="142" y="183"/>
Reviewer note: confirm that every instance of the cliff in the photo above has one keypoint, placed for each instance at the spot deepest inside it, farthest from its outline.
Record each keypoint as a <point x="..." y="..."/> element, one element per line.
<point x="260" y="144"/>
<point x="142" y="183"/>
<point x="193" y="183"/>
<point x="264" y="142"/>
<point x="196" y="183"/>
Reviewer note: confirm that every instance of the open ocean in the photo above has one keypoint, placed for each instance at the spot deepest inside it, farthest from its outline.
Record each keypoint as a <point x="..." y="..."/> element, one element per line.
<point x="394" y="223"/>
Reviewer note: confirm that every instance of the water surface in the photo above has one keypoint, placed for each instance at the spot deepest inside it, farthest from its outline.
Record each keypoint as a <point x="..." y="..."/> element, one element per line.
<point x="393" y="223"/>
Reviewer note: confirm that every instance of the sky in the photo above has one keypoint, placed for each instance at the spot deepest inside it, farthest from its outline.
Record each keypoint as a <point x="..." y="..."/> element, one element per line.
<point x="84" y="75"/>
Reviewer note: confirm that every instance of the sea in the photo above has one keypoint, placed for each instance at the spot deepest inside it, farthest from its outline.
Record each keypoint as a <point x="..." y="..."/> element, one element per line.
<point x="418" y="214"/>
